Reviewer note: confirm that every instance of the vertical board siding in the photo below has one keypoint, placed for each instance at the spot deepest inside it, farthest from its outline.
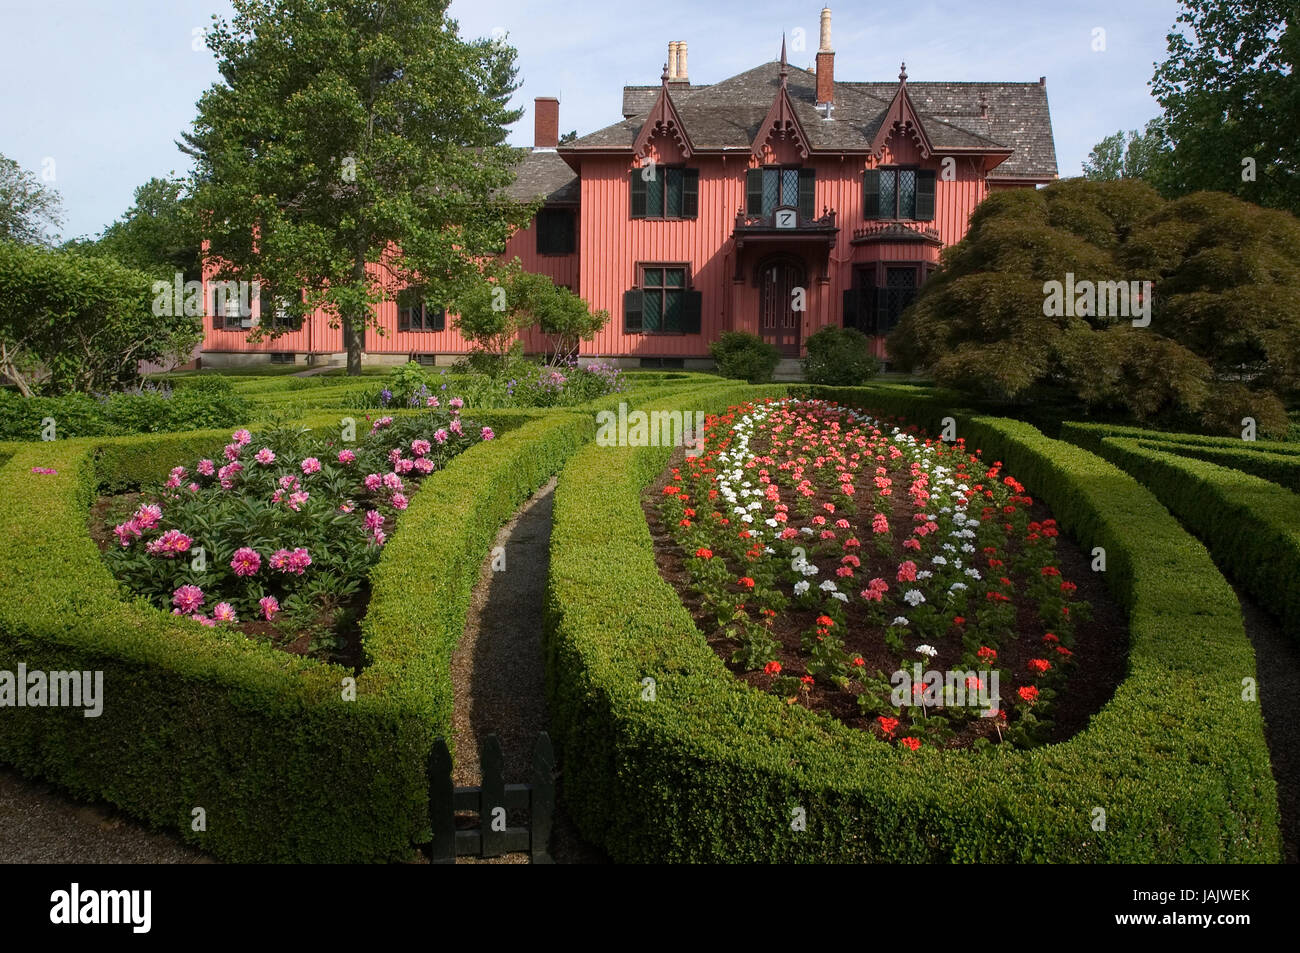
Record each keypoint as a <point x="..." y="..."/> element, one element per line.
<point x="612" y="244"/>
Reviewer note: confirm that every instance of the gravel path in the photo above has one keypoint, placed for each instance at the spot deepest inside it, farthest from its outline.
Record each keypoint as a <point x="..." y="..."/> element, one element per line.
<point x="39" y="824"/>
<point x="497" y="671"/>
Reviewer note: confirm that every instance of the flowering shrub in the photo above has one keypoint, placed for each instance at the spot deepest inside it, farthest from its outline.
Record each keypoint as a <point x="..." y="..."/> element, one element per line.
<point x="523" y="384"/>
<point x="819" y="539"/>
<point x="282" y="527"/>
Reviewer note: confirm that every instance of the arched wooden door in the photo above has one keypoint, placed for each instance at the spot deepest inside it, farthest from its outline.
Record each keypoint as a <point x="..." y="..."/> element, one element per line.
<point x="782" y="283"/>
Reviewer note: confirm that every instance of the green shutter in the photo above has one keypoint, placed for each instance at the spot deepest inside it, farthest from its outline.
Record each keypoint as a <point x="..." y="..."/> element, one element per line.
<point x="673" y="186"/>
<point x="925" y="195"/>
<point x="881" y="302"/>
<point x="851" y="296"/>
<point x="692" y="306"/>
<point x="633" y="305"/>
<point x="436" y="318"/>
<point x="871" y="194"/>
<point x="638" y="195"/>
<point x="754" y="192"/>
<point x="807" y="195"/>
<point x="690" y="193"/>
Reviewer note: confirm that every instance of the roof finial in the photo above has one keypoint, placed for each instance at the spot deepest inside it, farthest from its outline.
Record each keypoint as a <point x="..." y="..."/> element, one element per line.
<point x="665" y="76"/>
<point x="785" y="67"/>
<point x="902" y="73"/>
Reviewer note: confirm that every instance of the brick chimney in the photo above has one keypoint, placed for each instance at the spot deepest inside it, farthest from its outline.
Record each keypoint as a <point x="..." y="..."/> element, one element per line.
<point x="826" y="63"/>
<point x="672" y="60"/>
<point x="546" y="122"/>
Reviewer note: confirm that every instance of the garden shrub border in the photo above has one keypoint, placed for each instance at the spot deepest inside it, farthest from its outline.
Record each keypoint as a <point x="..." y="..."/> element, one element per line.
<point x="712" y="770"/>
<point x="1251" y="525"/>
<point x="284" y="768"/>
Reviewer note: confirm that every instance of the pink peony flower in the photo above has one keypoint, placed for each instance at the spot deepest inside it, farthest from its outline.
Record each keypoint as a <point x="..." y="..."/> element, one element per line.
<point x="188" y="599"/>
<point x="310" y="465"/>
<point x="373" y="482"/>
<point x="296" y="500"/>
<point x="246" y="562"/>
<point x="424" y="465"/>
<point x="420" y="447"/>
<point x="394" y="455"/>
<point x="347" y="506"/>
<point x="378" y="538"/>
<point x="487" y="434"/>
<point x="204" y="620"/>
<point x="241" y="437"/>
<point x="170" y="544"/>
<point x="265" y="456"/>
<point x="288" y="482"/>
<point x="147" y="516"/>
<point x="231" y="451"/>
<point x="127" y="531"/>
<point x="224" y="612"/>
<point x="404" y="466"/>
<point x="431" y="402"/>
<point x="440" y="435"/>
<point x="294" y="561"/>
<point x="207" y="468"/>
<point x="194" y="488"/>
<point x="393" y="481"/>
<point x="455" y="403"/>
<point x="400" y="501"/>
<point x="270" y="606"/>
<point x="347" y="456"/>
<point x="45" y="471"/>
<point x="456" y="427"/>
<point x="374" y="520"/>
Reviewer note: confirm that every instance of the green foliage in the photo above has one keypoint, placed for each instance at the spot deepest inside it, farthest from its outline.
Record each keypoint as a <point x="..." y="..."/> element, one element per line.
<point x="1224" y="334"/>
<point x="1133" y="155"/>
<point x="348" y="133"/>
<point x="70" y="322"/>
<point x="493" y="313"/>
<point x="197" y="404"/>
<point x="1229" y="94"/>
<point x="744" y="356"/>
<point x="839" y="356"/>
<point x="712" y="770"/>
<point x="28" y="208"/>
<point x="158" y="235"/>
<point x="263" y="740"/>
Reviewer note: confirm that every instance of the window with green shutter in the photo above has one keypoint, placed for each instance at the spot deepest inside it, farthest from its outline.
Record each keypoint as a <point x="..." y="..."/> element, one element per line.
<point x="665" y="192"/>
<point x="414" y="313"/>
<point x="906" y="194"/>
<point x="773" y="187"/>
<point x="664" y="304"/>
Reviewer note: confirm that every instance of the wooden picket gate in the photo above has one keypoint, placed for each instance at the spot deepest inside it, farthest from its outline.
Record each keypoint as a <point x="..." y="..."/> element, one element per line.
<point x="491" y="801"/>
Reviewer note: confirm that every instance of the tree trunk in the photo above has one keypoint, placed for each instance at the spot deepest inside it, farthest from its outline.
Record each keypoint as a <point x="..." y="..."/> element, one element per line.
<point x="354" y="326"/>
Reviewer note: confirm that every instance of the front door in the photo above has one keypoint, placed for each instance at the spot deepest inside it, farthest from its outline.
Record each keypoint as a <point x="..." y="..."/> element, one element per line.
<point x="782" y="286"/>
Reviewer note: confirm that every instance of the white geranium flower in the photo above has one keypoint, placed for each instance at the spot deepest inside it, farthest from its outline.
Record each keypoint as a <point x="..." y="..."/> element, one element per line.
<point x="913" y="597"/>
<point x="800" y="588"/>
<point x="900" y="620"/>
<point x="827" y="586"/>
<point x="840" y="596"/>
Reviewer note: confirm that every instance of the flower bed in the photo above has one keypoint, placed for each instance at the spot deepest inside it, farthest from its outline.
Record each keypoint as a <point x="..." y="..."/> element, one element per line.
<point x="279" y="533"/>
<point x="901" y="584"/>
<point x="292" y="759"/>
<point x="668" y="757"/>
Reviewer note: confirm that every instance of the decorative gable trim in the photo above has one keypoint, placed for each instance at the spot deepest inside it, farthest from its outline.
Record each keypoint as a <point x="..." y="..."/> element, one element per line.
<point x="664" y="120"/>
<point x="781" y="121"/>
<point x="901" y="118"/>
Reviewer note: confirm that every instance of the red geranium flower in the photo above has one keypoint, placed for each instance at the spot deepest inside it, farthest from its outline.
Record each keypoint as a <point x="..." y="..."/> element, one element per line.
<point x="704" y="553"/>
<point x="910" y="743"/>
<point x="772" y="668"/>
<point x="888" y="725"/>
<point x="1028" y="694"/>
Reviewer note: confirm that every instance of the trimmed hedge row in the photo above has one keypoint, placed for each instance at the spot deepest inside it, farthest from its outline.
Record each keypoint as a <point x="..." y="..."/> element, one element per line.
<point x="1090" y="435"/>
<point x="711" y="770"/>
<point x="1251" y="525"/>
<point x="262" y="740"/>
<point x="1282" y="468"/>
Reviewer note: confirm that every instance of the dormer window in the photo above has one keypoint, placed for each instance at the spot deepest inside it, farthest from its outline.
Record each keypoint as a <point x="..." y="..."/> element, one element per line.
<point x="773" y="187"/>
<point x="660" y="191"/>
<point x="902" y="193"/>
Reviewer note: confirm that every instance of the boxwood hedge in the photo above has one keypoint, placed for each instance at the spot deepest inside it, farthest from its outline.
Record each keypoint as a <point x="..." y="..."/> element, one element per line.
<point x="1251" y="525"/>
<point x="696" y="766"/>
<point x="283" y="767"/>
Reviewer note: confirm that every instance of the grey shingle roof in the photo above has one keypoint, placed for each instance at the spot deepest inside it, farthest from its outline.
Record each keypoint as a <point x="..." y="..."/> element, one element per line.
<point x="727" y="115"/>
<point x="544" y="175"/>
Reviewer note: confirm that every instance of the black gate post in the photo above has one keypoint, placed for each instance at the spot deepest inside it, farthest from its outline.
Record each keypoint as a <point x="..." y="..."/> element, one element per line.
<point x="442" y="812"/>
<point x="542" y="807"/>
<point x="492" y="811"/>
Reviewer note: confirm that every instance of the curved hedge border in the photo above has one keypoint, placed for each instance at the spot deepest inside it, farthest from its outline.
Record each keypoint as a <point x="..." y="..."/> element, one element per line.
<point x="1090" y="435"/>
<point x="1282" y="468"/>
<point x="712" y="770"/>
<point x="261" y="740"/>
<point x="1251" y="525"/>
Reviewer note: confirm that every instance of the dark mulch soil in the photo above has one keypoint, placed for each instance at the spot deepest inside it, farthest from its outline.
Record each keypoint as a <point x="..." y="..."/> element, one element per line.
<point x="1100" y="644"/>
<point x="334" y="638"/>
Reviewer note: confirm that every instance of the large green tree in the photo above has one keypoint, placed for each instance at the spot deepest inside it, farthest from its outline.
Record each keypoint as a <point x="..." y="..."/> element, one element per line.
<point x="28" y="207"/>
<point x="1131" y="155"/>
<point x="1231" y="100"/>
<point x="1214" y="338"/>
<point x="348" y="132"/>
<point x="158" y="234"/>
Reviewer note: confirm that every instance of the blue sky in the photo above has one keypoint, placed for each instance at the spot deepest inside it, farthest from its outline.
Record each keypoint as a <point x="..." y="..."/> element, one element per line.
<point x="97" y="93"/>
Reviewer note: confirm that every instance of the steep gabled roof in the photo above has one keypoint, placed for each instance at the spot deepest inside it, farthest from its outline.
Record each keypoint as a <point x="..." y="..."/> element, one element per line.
<point x="663" y="119"/>
<point x="727" y="116"/>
